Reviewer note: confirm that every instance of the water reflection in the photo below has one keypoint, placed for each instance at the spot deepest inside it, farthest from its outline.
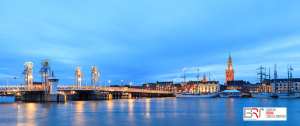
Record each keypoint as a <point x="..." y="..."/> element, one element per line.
<point x="130" y="105"/>
<point x="110" y="113"/>
<point x="110" y="105"/>
<point x="29" y="114"/>
<point x="131" y="118"/>
<point x="94" y="106"/>
<point x="148" y="104"/>
<point x="148" y="107"/>
<point x="156" y="111"/>
<point x="79" y="117"/>
<point x="122" y="105"/>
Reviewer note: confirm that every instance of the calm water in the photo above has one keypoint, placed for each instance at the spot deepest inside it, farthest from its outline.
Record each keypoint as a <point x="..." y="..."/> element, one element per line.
<point x="137" y="112"/>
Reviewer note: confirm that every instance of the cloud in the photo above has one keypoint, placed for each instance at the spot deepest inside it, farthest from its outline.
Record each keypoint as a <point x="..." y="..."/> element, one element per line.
<point x="149" y="41"/>
<point x="264" y="47"/>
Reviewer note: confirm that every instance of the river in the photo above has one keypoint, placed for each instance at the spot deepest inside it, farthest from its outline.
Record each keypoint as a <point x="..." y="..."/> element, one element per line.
<point x="140" y="112"/>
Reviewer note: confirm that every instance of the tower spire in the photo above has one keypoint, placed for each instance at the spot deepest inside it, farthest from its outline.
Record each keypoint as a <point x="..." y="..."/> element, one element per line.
<point x="229" y="71"/>
<point x="204" y="78"/>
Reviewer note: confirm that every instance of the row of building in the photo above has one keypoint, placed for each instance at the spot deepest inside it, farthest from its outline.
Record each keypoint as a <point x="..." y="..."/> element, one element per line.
<point x="203" y="86"/>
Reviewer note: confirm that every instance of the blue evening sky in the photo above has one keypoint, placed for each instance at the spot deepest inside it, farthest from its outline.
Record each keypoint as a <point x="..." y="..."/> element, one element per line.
<point x="149" y="41"/>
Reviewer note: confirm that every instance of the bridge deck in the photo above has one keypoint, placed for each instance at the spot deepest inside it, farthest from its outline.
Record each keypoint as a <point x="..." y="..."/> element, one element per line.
<point x="82" y="88"/>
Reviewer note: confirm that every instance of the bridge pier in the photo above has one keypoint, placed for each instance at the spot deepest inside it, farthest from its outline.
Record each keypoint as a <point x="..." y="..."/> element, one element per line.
<point x="40" y="97"/>
<point x="89" y="96"/>
<point x="118" y="95"/>
<point x="18" y="97"/>
<point x="97" y="96"/>
<point x="136" y="95"/>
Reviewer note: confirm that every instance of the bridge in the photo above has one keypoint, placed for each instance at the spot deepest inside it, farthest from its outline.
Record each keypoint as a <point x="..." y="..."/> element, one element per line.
<point x="49" y="90"/>
<point x="84" y="92"/>
<point x="110" y="89"/>
<point x="62" y="88"/>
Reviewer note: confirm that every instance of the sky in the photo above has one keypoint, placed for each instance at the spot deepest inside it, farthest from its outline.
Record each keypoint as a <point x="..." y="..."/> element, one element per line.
<point x="150" y="40"/>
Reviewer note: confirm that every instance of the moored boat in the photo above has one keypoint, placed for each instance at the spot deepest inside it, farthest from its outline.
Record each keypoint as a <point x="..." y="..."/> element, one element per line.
<point x="264" y="95"/>
<point x="231" y="94"/>
<point x="195" y="95"/>
<point x="292" y="95"/>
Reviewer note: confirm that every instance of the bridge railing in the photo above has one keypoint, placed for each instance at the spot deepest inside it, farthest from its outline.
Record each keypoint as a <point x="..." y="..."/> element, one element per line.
<point x="12" y="88"/>
<point x="74" y="87"/>
<point x="111" y="89"/>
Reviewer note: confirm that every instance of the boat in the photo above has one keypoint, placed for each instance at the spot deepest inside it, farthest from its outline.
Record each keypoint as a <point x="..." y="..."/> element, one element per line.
<point x="264" y="95"/>
<point x="195" y="95"/>
<point x="289" y="95"/>
<point x="231" y="94"/>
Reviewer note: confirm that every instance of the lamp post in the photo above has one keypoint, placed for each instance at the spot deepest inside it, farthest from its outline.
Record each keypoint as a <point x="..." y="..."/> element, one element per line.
<point x="12" y="78"/>
<point x="122" y="83"/>
<point x="130" y="84"/>
<point x="109" y="82"/>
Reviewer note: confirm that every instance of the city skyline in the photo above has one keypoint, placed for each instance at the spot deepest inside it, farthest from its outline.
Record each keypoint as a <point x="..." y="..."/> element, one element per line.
<point x="155" y="43"/>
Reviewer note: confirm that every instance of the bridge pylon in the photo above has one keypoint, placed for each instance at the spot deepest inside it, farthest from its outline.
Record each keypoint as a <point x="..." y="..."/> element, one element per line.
<point x="94" y="76"/>
<point x="78" y="77"/>
<point x="28" y="73"/>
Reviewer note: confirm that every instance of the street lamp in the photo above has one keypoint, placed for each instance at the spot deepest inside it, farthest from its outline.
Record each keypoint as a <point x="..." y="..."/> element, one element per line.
<point x="13" y="78"/>
<point x="122" y="83"/>
<point x="130" y="84"/>
<point x="109" y="82"/>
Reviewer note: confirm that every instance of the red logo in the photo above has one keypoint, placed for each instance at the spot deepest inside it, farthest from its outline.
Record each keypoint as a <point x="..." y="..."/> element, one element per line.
<point x="255" y="112"/>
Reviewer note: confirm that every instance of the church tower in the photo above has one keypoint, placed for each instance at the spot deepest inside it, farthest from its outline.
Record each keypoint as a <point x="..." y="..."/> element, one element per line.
<point x="204" y="78"/>
<point x="229" y="71"/>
